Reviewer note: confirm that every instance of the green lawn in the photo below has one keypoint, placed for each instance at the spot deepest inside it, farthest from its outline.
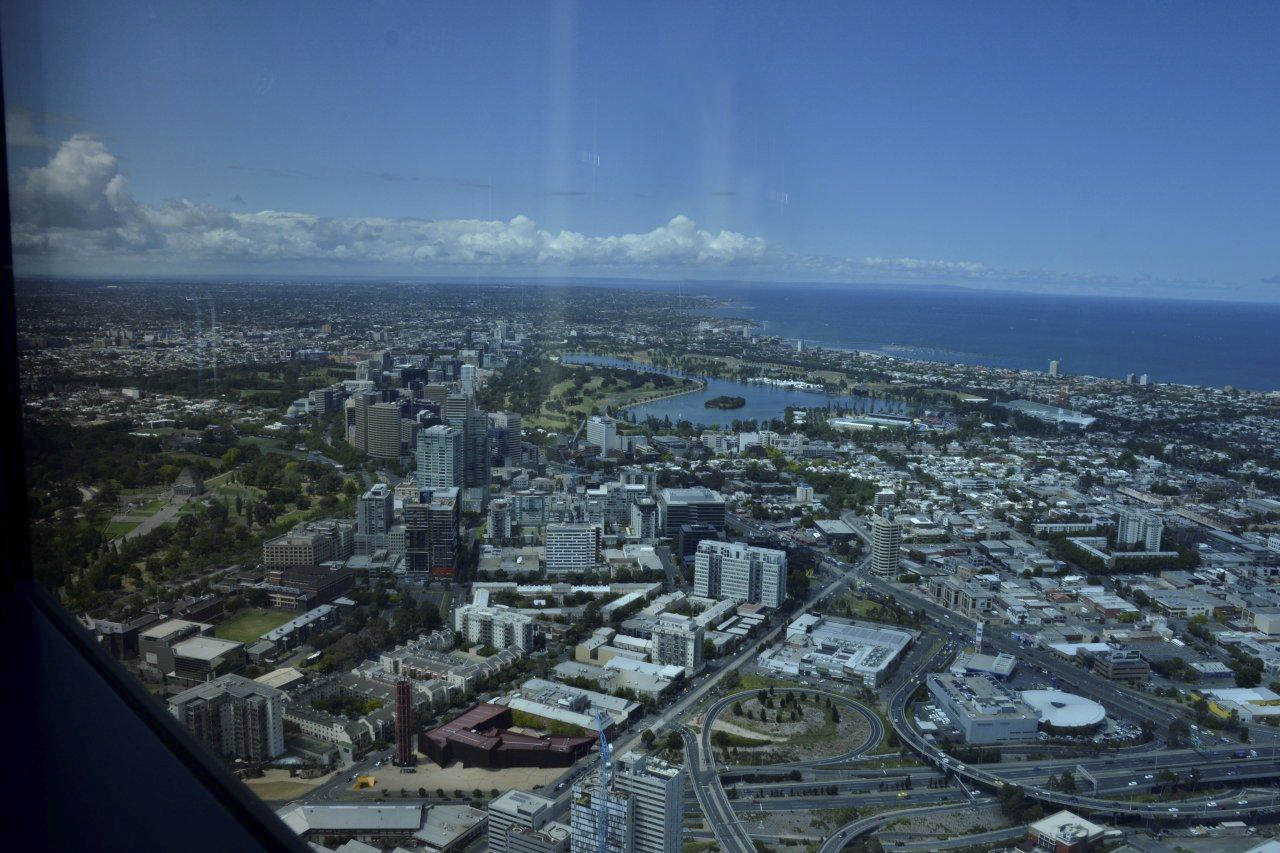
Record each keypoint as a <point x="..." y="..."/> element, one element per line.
<point x="116" y="529"/>
<point x="247" y="626"/>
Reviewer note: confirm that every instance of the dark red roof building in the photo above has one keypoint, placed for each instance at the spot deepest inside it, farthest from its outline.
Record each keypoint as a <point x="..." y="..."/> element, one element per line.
<point x="478" y="737"/>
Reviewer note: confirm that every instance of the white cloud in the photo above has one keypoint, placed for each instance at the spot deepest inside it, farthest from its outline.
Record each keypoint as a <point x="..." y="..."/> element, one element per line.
<point x="80" y="205"/>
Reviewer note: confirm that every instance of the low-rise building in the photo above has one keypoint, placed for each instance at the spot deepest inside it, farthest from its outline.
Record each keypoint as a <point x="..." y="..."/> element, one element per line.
<point x="983" y="709"/>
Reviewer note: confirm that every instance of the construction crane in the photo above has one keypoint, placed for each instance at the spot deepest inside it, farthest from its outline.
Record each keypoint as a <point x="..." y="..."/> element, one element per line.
<point x="606" y="775"/>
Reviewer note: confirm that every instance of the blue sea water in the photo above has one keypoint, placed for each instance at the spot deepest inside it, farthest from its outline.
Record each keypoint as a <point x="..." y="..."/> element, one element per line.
<point x="1181" y="341"/>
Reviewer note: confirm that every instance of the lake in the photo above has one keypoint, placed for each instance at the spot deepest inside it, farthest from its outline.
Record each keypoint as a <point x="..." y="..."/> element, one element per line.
<point x="764" y="402"/>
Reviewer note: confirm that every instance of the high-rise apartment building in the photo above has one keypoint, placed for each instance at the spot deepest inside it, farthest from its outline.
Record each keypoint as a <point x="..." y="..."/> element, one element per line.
<point x="440" y="457"/>
<point x="573" y="547"/>
<point x="886" y="544"/>
<point x="1138" y="527"/>
<point x="677" y="640"/>
<point x="501" y="524"/>
<point x="644" y="518"/>
<point x="233" y="716"/>
<point x="375" y="513"/>
<point x="431" y="533"/>
<point x="740" y="572"/>
<point x="645" y="807"/>
<point x="496" y="625"/>
<point x="1053" y="368"/>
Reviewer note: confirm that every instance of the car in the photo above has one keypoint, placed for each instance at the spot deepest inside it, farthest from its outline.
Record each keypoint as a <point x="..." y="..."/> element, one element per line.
<point x="902" y="795"/>
<point x="1149" y="776"/>
<point x="1242" y="802"/>
<point x="1133" y="783"/>
<point x="1211" y="804"/>
<point x="1172" y="810"/>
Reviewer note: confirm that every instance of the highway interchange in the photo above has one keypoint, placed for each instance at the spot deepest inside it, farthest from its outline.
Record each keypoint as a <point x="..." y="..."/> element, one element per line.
<point x="1118" y="773"/>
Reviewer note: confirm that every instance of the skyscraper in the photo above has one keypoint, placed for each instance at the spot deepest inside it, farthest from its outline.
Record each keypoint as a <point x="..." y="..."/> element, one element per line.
<point x="886" y="542"/>
<point x="511" y="435"/>
<point x="1053" y="368"/>
<point x="440" y="457"/>
<point x="740" y="572"/>
<point x="404" y="723"/>
<point x="460" y="413"/>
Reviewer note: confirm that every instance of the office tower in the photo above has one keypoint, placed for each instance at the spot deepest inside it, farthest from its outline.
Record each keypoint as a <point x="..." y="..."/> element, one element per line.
<point x="460" y="413"/>
<point x="511" y="434"/>
<point x="677" y="640"/>
<point x="572" y="547"/>
<point x="436" y="392"/>
<point x="375" y="513"/>
<point x="431" y="533"/>
<point x="440" y="457"/>
<point x="800" y="345"/>
<point x="357" y="417"/>
<point x="644" y="518"/>
<point x="497" y="626"/>
<point x="467" y="379"/>
<point x="456" y="408"/>
<point x="698" y="505"/>
<point x="1053" y="368"/>
<point x="886" y="541"/>
<point x="516" y="810"/>
<point x="645" y="807"/>
<point x="740" y="572"/>
<point x="385" y="430"/>
<point x="1144" y="380"/>
<point x="602" y="431"/>
<point x="885" y="498"/>
<point x="404" y="723"/>
<point x="1131" y="379"/>
<point x="233" y="716"/>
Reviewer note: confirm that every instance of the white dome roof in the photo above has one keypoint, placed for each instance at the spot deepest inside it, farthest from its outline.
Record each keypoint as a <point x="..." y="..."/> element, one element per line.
<point x="1064" y="710"/>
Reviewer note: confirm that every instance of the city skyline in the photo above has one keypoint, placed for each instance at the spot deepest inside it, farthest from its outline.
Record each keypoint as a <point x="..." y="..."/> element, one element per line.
<point x="1123" y="154"/>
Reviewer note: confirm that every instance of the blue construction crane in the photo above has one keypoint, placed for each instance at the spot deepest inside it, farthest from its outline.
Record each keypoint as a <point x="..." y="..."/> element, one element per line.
<point x="606" y="775"/>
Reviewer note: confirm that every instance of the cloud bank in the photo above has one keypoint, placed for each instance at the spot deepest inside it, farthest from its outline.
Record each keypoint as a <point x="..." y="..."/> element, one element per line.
<point x="77" y="211"/>
<point x="79" y="205"/>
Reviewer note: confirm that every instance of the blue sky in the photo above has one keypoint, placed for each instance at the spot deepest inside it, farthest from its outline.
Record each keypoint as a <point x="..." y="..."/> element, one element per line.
<point x="1127" y="148"/>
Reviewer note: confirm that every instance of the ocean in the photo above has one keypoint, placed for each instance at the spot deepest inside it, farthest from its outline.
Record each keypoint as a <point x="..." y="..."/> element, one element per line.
<point x="1179" y="341"/>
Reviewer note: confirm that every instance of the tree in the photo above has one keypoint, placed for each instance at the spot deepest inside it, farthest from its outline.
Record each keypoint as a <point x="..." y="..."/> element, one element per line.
<point x="1067" y="782"/>
<point x="648" y="738"/>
